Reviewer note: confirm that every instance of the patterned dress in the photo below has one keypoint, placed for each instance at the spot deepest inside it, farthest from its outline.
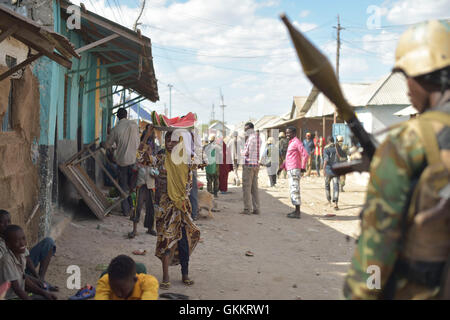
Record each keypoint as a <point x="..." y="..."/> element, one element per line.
<point x="170" y="220"/>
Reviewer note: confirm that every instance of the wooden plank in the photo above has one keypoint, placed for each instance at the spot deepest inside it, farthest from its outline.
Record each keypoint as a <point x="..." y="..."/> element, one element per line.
<point x="8" y="32"/>
<point x="82" y="190"/>
<point x="108" y="174"/>
<point x="97" y="43"/>
<point x="20" y="66"/>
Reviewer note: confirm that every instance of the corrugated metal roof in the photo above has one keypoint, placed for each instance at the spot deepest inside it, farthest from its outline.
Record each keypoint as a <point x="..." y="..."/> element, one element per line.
<point x="138" y="74"/>
<point x="406" y="112"/>
<point x="297" y="106"/>
<point x="259" y="125"/>
<point x="393" y="91"/>
<point x="278" y="120"/>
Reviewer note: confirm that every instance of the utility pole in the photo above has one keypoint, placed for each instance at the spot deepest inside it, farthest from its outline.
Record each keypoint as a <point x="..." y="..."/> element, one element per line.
<point x="223" y="115"/>
<point x="136" y="23"/>
<point x="338" y="49"/>
<point x="170" y="100"/>
<point x="213" y="115"/>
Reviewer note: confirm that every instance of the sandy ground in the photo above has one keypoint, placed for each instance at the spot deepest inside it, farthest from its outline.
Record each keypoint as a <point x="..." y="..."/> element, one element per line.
<point x="293" y="259"/>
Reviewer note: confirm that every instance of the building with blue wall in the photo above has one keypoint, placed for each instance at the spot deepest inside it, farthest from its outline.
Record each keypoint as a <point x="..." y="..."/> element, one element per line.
<point x="76" y="105"/>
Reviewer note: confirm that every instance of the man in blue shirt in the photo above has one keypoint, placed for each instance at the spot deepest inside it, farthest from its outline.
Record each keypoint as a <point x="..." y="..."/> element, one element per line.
<point x="330" y="158"/>
<point x="308" y="143"/>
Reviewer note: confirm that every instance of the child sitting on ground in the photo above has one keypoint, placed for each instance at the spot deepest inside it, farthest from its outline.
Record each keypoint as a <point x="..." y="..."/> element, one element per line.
<point x="41" y="254"/>
<point x="122" y="283"/>
<point x="12" y="268"/>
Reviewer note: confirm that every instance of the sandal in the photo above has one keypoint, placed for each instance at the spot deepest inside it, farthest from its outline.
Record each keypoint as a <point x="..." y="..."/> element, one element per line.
<point x="84" y="293"/>
<point x="164" y="285"/>
<point x="188" y="282"/>
<point x="139" y="252"/>
<point x="131" y="235"/>
<point x="174" y="296"/>
<point x="49" y="287"/>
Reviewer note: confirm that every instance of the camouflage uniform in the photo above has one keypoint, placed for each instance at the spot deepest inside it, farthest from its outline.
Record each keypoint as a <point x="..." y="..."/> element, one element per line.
<point x="394" y="166"/>
<point x="344" y="148"/>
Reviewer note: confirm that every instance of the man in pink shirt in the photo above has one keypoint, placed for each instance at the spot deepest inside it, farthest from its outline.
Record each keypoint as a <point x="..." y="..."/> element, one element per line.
<point x="295" y="163"/>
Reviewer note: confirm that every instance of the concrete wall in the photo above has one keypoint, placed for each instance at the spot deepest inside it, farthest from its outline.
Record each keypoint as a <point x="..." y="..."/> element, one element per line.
<point x="12" y="48"/>
<point x="376" y="118"/>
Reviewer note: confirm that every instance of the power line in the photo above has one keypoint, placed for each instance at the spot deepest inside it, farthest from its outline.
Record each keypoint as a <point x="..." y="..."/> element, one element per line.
<point x="237" y="46"/>
<point x="195" y="53"/>
<point x="230" y="68"/>
<point x="112" y="10"/>
<point x="119" y="10"/>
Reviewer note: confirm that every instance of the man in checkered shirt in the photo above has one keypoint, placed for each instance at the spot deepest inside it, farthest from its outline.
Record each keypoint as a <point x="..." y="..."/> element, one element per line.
<point x="251" y="155"/>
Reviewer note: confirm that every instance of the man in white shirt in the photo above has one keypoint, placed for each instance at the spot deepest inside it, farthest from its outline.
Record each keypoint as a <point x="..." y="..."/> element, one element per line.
<point x="126" y="137"/>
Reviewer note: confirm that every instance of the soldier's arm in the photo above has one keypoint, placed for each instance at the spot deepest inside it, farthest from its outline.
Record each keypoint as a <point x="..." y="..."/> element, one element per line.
<point x="392" y="168"/>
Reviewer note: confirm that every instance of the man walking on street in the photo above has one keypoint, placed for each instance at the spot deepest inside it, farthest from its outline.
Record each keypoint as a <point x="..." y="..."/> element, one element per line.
<point x="319" y="143"/>
<point x="126" y="137"/>
<point x="283" y="144"/>
<point x="309" y="146"/>
<point x="212" y="169"/>
<point x="251" y="169"/>
<point x="235" y="157"/>
<point x="295" y="163"/>
<point x="330" y="158"/>
<point x="342" y="157"/>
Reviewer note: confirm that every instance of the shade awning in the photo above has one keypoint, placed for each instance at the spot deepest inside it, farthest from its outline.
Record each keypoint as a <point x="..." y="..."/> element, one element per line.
<point x="128" y="51"/>
<point x="39" y="38"/>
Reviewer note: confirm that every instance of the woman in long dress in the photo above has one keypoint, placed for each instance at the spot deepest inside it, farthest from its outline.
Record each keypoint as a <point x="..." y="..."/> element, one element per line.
<point x="177" y="235"/>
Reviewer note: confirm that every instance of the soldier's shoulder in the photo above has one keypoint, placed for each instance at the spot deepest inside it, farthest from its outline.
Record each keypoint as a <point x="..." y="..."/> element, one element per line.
<point x="405" y="134"/>
<point x="402" y="142"/>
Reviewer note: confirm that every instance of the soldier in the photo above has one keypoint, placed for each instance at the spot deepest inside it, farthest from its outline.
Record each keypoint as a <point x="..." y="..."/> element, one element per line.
<point x="398" y="255"/>
<point x="342" y="152"/>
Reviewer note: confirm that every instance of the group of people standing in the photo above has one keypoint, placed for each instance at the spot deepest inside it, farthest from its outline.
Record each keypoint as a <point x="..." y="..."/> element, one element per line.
<point x="295" y="160"/>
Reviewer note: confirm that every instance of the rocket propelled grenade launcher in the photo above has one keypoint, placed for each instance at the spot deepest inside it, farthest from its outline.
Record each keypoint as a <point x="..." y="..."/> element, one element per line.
<point x="320" y="72"/>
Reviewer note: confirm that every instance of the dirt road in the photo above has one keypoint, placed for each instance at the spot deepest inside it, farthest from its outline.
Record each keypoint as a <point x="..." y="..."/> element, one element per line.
<point x="293" y="259"/>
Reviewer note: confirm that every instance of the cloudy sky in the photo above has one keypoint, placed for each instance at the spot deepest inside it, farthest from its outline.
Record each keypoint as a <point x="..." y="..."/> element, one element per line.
<point x="241" y="48"/>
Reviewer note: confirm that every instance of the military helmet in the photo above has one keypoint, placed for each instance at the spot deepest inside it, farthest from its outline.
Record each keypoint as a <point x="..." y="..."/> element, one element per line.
<point x="281" y="135"/>
<point x="423" y="48"/>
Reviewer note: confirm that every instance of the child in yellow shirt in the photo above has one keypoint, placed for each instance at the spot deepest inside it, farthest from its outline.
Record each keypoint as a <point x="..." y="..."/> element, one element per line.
<point x="122" y="283"/>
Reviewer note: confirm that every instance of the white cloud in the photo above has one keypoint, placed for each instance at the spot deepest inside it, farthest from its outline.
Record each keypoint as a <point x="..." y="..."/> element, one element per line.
<point x="304" y="13"/>
<point x="413" y="11"/>
<point x="382" y="44"/>
<point x="212" y="33"/>
<point x="304" y="26"/>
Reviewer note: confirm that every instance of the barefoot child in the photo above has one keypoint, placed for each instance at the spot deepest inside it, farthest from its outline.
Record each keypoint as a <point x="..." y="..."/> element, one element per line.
<point x="41" y="254"/>
<point x="12" y="268"/>
<point x="122" y="283"/>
